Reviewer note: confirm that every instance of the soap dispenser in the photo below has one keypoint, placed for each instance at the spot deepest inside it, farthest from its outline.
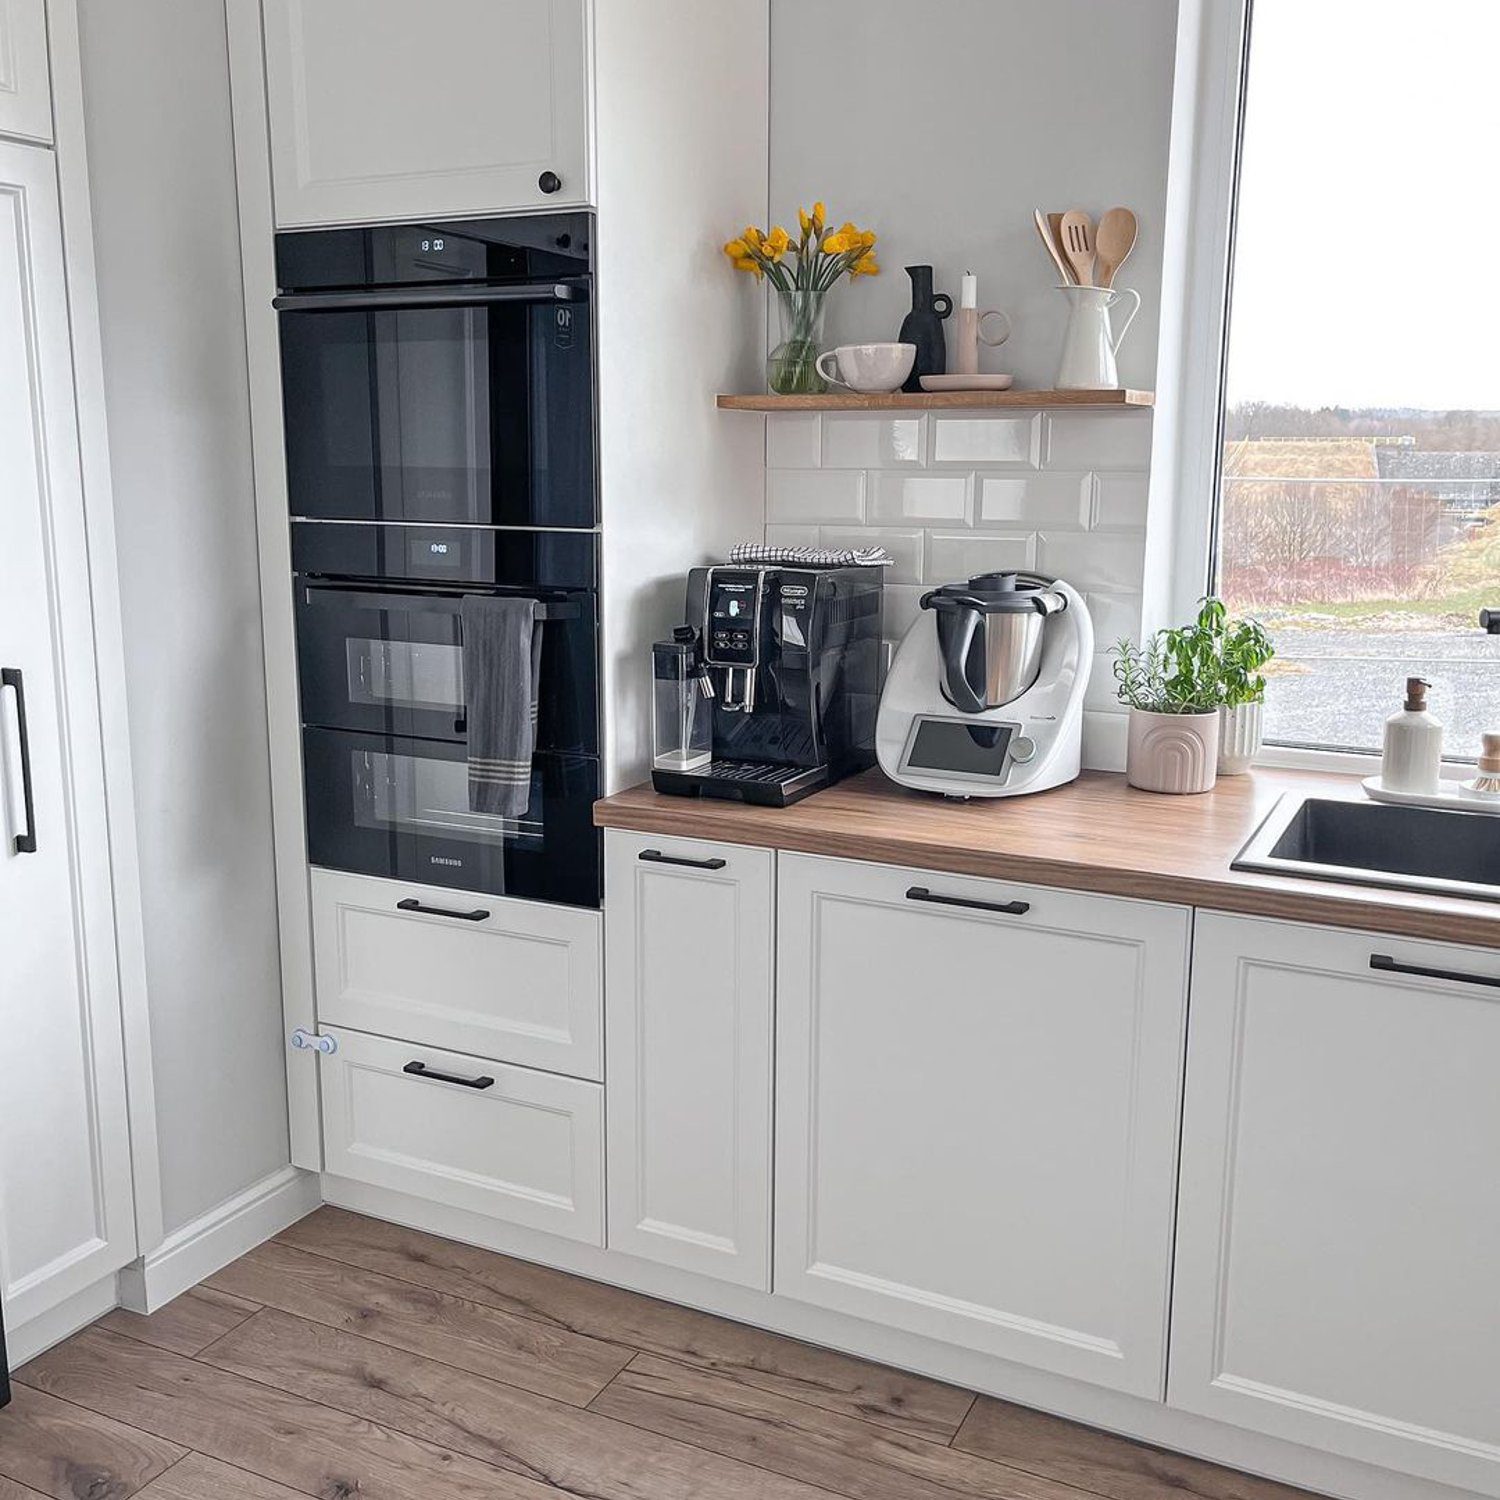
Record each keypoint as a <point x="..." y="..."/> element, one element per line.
<point x="1413" y="754"/>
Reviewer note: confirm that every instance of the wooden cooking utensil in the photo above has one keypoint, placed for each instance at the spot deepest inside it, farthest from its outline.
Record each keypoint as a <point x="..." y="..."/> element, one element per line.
<point x="1049" y="239"/>
<point x="1054" y="225"/>
<point x="1078" y="245"/>
<point x="1113" y="242"/>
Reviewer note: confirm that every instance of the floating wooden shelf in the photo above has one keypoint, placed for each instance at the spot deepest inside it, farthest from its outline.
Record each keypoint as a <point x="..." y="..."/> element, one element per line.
<point x="942" y="401"/>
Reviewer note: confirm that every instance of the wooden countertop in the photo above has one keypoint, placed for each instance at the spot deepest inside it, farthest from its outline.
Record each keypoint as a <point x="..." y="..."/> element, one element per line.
<point x="1097" y="834"/>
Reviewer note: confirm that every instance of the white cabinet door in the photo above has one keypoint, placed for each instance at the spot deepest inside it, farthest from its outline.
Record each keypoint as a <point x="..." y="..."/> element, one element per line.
<point x="65" y="1194"/>
<point x="490" y="975"/>
<point x="515" y="1144"/>
<point x="25" y="88"/>
<point x="688" y="943"/>
<point x="977" y="1099"/>
<point x="1338" y="1245"/>
<point x="380" y="109"/>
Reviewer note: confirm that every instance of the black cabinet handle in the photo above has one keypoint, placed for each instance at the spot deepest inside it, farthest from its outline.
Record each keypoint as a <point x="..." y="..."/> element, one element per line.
<point x="1388" y="965"/>
<point x="1005" y="908"/>
<point x="10" y="677"/>
<point x="412" y="904"/>
<point x="656" y="857"/>
<point x="421" y="1070"/>
<point x="549" y="182"/>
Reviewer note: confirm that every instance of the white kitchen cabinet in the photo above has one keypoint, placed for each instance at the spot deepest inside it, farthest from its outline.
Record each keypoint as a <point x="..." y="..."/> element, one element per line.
<point x="977" y="1110"/>
<point x="513" y="980"/>
<point x="689" y="935"/>
<point x="66" y="1217"/>
<point x="25" y="88"/>
<point x="383" y="110"/>
<point x="511" y="1143"/>
<point x="1339" y="1225"/>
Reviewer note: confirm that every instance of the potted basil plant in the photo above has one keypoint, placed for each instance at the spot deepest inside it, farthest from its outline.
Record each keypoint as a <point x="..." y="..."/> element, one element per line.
<point x="1171" y="684"/>
<point x="1244" y="651"/>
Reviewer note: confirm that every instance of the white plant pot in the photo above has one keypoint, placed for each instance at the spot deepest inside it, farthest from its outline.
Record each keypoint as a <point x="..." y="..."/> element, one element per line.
<point x="1172" y="752"/>
<point x="1240" y="730"/>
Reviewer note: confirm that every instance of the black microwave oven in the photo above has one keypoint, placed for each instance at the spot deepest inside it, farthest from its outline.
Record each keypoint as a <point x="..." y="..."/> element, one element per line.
<point x="441" y="373"/>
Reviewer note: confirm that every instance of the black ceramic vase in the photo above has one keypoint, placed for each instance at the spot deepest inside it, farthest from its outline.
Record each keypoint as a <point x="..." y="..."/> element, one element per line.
<point x="923" y="326"/>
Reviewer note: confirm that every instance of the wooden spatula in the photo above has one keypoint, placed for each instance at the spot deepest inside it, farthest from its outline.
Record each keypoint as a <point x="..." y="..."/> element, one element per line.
<point x="1049" y="239"/>
<point x="1078" y="245"/>
<point x="1113" y="242"/>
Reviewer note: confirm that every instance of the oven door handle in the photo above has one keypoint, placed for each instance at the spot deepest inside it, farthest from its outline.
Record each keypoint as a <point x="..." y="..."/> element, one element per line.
<point x="387" y="299"/>
<point x="322" y="593"/>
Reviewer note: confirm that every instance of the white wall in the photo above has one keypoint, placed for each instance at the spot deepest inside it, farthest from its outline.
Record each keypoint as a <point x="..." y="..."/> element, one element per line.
<point x="942" y="126"/>
<point x="165" y="236"/>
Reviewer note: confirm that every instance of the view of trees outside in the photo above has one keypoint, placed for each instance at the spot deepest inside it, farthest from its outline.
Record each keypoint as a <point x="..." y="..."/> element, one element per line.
<point x="1360" y="490"/>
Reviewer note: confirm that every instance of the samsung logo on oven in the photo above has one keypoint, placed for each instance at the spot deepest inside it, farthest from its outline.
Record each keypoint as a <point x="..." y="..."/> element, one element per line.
<point x="443" y="859"/>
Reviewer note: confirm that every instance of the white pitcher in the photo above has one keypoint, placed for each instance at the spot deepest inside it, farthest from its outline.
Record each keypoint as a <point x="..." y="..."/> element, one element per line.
<point x="1088" y="357"/>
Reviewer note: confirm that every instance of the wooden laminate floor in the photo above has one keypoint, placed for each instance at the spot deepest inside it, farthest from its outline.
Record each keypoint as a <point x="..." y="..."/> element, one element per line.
<point x="350" y="1357"/>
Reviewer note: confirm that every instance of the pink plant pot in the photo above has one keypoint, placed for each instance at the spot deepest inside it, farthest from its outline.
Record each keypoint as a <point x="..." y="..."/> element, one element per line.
<point x="1176" y="753"/>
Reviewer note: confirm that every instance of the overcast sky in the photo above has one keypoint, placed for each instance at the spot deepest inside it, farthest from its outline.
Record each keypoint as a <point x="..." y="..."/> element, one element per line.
<point x="1368" y="261"/>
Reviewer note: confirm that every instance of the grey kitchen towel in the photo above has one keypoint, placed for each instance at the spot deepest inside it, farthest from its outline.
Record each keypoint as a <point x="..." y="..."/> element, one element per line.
<point x="502" y="640"/>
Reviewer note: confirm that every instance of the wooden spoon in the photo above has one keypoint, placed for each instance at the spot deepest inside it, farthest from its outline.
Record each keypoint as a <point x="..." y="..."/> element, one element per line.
<point x="1078" y="245"/>
<point x="1049" y="239"/>
<point x="1114" y="241"/>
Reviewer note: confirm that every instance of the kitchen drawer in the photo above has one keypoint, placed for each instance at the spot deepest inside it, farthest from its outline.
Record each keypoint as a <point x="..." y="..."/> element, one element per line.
<point x="508" y="1142"/>
<point x="519" y="983"/>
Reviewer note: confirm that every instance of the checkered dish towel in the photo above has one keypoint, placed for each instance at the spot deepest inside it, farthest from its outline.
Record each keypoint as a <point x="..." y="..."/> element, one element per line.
<point x="811" y="557"/>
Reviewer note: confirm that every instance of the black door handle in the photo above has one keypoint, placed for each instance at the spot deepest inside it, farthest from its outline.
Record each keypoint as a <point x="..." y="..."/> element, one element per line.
<point x="421" y="1070"/>
<point x="10" y="677"/>
<point x="656" y="857"/>
<point x="412" y="904"/>
<point x="1005" y="908"/>
<point x="1388" y="965"/>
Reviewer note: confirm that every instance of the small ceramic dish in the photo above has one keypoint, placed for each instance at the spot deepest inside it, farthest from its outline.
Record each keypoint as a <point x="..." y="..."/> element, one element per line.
<point x="935" y="383"/>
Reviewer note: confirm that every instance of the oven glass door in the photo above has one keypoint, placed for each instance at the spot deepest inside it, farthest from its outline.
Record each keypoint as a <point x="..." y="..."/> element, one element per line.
<point x="397" y="807"/>
<point x="391" y="661"/>
<point x="479" y="414"/>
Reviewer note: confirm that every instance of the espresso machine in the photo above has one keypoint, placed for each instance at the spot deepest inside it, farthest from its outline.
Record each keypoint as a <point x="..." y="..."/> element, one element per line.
<point x="768" y="691"/>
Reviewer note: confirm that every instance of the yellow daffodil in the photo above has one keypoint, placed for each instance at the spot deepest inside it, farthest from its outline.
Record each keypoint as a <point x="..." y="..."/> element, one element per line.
<point x="866" y="265"/>
<point x="775" y="244"/>
<point x="752" y="237"/>
<point x="837" y="244"/>
<point x="736" y="250"/>
<point x="804" y="221"/>
<point x="817" y="217"/>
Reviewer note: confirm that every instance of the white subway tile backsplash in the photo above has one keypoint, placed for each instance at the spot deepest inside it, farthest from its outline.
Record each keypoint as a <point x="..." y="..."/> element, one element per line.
<point x="873" y="442"/>
<point x="792" y="536"/>
<point x="987" y="441"/>
<point x="1044" y="499"/>
<point x="1091" y="560"/>
<point x="801" y="495"/>
<point x="1114" y="615"/>
<point x="899" y="497"/>
<point x="955" y="555"/>
<point x="1101" y="693"/>
<point x="1120" y="500"/>
<point x="905" y="548"/>
<point x="901" y="605"/>
<point x="1098" y="440"/>
<point x="793" y="440"/>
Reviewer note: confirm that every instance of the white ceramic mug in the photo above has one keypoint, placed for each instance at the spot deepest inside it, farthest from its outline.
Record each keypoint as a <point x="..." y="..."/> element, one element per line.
<point x="871" y="369"/>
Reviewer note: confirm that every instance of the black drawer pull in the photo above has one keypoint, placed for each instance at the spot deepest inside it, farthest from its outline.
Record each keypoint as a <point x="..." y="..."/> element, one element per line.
<point x="25" y="843"/>
<point x="1005" y="908"/>
<point x="421" y="1070"/>
<point x="656" y="857"/>
<point x="412" y="904"/>
<point x="1388" y="965"/>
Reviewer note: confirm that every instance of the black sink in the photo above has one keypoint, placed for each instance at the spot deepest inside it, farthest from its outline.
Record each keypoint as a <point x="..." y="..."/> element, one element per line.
<point x="1377" y="843"/>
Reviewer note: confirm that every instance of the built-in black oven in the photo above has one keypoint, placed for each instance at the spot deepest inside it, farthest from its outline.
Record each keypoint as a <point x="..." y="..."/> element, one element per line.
<point x="381" y="663"/>
<point x="441" y="372"/>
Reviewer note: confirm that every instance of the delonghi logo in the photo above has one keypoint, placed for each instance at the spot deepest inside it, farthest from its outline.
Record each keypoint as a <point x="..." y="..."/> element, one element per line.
<point x="794" y="591"/>
<point x="443" y="859"/>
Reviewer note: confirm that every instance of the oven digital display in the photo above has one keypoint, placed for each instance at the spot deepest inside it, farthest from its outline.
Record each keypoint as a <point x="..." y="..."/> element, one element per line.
<point x="951" y="745"/>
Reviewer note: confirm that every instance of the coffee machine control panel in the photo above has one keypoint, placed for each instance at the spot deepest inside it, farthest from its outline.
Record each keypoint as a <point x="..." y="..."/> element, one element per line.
<point x="731" y="633"/>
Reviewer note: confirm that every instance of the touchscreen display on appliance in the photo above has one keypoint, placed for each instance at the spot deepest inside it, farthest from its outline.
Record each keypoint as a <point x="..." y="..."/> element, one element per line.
<point x="951" y="745"/>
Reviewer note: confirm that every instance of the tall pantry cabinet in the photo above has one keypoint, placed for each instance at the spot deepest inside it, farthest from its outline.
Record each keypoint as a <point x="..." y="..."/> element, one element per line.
<point x="66" y="1208"/>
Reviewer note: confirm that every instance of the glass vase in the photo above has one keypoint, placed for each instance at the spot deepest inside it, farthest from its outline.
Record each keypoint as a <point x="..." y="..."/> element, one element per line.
<point x="791" y="367"/>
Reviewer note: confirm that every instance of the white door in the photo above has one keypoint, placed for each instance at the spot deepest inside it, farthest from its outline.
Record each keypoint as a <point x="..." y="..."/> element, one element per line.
<point x="380" y="109"/>
<point x="1338" y="1245"/>
<point x="977" y="1099"/>
<point x="689" y="929"/>
<point x="25" y="89"/>
<point x="65" y="1195"/>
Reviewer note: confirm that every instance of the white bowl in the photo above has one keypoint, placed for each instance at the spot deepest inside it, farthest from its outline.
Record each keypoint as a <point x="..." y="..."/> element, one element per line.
<point x="870" y="369"/>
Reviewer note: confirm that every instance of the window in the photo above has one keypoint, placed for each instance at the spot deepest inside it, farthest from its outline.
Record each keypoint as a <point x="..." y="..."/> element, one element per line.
<point x="1359" y="483"/>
